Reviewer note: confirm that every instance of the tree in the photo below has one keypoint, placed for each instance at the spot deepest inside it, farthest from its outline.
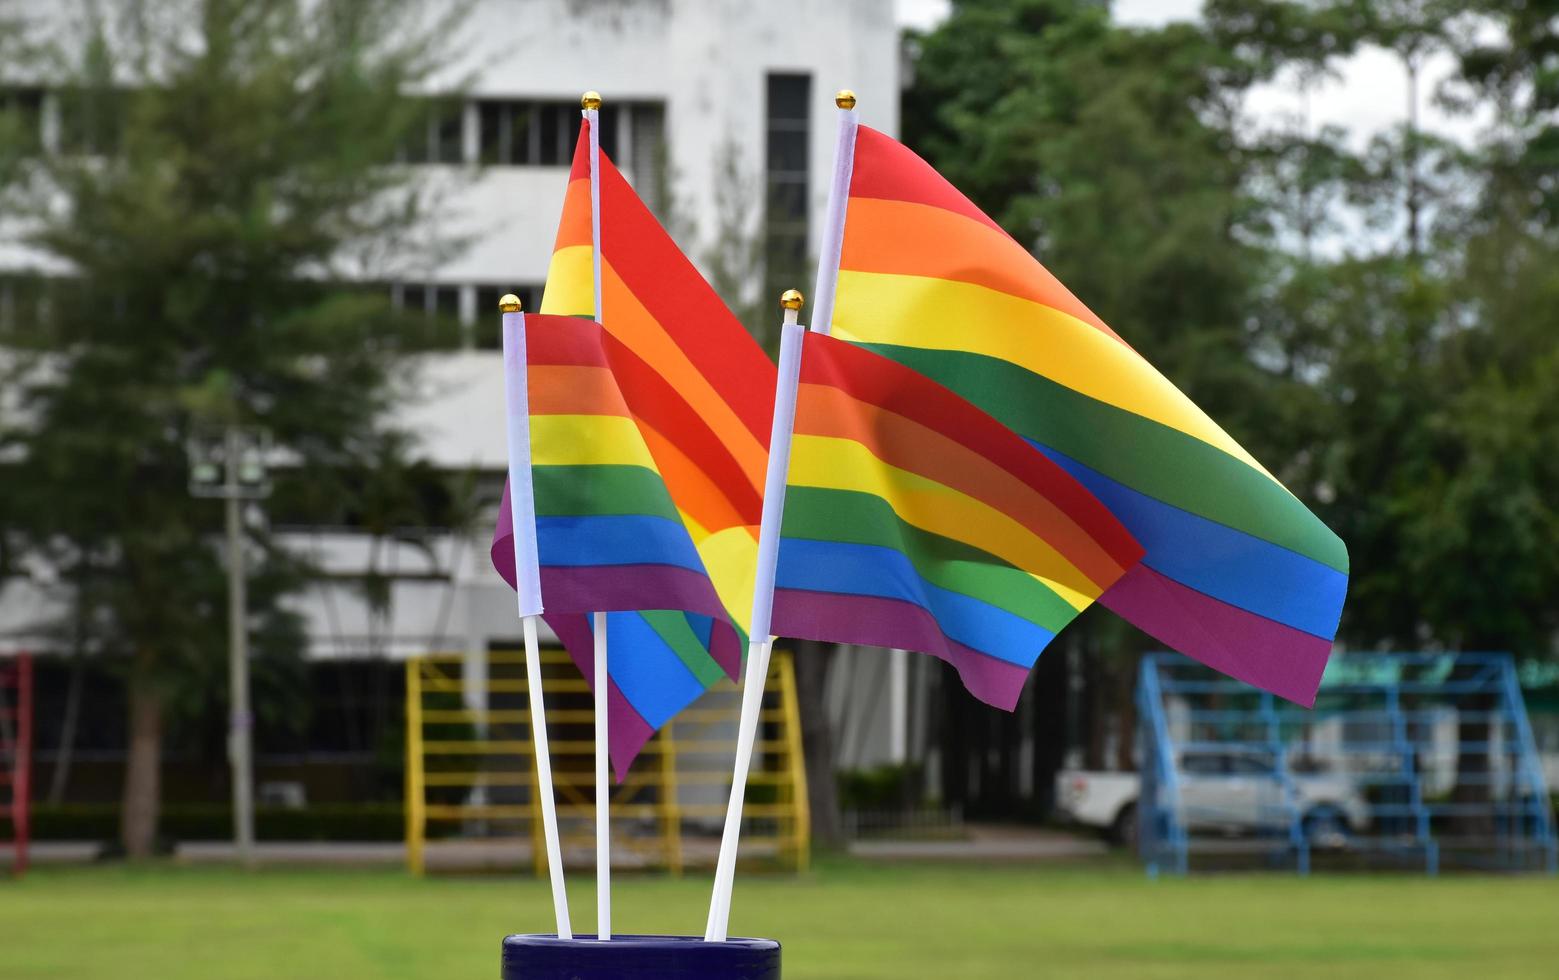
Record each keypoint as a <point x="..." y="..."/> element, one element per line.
<point x="220" y="164"/>
<point x="1376" y="326"/>
<point x="1116" y="154"/>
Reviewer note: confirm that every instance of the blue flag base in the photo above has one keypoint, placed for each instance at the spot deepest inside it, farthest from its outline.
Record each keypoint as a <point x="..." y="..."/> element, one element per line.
<point x="546" y="957"/>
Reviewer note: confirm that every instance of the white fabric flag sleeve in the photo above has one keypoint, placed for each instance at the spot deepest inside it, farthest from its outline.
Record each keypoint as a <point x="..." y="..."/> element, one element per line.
<point x="522" y="496"/>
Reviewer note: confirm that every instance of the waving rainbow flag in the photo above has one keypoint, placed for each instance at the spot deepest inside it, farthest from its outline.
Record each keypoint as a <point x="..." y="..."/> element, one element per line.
<point x="608" y="536"/>
<point x="914" y="520"/>
<point x="709" y="425"/>
<point x="651" y="502"/>
<point x="1238" y="572"/>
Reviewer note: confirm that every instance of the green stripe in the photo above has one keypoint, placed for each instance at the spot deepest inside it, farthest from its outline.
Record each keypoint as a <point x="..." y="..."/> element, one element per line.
<point x="672" y="626"/>
<point x="1154" y="459"/>
<point x="588" y="491"/>
<point x="847" y="516"/>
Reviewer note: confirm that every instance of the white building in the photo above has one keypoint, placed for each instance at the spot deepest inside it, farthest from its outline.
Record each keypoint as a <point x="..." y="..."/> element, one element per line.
<point x="693" y="89"/>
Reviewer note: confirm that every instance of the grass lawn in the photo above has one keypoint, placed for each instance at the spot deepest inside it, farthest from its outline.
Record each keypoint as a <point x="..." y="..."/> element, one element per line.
<point x="845" y="919"/>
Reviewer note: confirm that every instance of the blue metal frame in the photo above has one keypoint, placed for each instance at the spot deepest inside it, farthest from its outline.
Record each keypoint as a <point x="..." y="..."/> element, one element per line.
<point x="1381" y="712"/>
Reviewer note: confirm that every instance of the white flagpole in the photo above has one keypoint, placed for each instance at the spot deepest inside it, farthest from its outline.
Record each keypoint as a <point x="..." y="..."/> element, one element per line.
<point x="527" y="582"/>
<point x="759" y="641"/>
<point x="833" y="218"/>
<point x="603" y="791"/>
<point x="590" y="108"/>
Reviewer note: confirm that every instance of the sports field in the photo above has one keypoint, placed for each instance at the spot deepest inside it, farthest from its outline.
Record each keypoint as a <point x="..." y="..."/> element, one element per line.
<point x="844" y="919"/>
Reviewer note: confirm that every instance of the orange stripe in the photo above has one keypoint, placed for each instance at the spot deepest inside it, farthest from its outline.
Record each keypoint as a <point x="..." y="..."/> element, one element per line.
<point x="920" y="240"/>
<point x="574" y="223"/>
<point x="690" y="486"/>
<point x="823" y="410"/>
<point x="572" y="389"/>
<point x="638" y="329"/>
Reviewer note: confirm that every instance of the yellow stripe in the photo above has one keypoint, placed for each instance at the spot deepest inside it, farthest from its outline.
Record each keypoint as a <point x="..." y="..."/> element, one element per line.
<point x="944" y="314"/>
<point x="588" y="440"/>
<point x="730" y="556"/>
<point x="843" y="464"/>
<point x="570" y="283"/>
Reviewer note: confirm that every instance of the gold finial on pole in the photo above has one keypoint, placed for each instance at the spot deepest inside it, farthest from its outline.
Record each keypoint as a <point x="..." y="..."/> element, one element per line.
<point x="844" y="99"/>
<point x="792" y="299"/>
<point x="590" y="100"/>
<point x="510" y="303"/>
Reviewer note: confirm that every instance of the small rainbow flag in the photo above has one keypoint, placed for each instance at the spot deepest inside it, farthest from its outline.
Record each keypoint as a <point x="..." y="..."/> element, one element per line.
<point x="914" y="520"/>
<point x="1238" y="572"/>
<point x="608" y="536"/>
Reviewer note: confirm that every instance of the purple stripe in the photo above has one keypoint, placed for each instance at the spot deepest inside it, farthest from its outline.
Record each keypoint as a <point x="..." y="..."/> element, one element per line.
<point x="1248" y="647"/>
<point x="879" y="622"/>
<point x="726" y="647"/>
<point x="627" y="730"/>
<point x="611" y="588"/>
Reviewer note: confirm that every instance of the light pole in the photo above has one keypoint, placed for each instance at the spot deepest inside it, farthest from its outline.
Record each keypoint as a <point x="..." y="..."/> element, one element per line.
<point x="231" y="466"/>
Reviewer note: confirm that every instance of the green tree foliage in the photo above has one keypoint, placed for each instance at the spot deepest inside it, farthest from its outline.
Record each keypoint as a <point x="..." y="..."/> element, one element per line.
<point x="218" y="163"/>
<point x="1377" y="324"/>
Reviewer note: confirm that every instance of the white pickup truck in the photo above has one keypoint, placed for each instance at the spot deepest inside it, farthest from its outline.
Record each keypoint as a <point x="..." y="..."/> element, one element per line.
<point x="1229" y="791"/>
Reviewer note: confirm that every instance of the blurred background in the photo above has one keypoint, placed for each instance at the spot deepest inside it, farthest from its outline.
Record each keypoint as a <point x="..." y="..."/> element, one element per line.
<point x="250" y="258"/>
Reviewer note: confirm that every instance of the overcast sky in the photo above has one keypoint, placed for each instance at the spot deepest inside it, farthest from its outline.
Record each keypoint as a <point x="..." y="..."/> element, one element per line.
<point x="1368" y="94"/>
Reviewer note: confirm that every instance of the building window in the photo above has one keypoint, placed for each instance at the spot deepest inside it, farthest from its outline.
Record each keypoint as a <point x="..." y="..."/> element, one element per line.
<point x="445" y="305"/>
<point x="786" y="154"/>
<point x="509" y="132"/>
<point x="433" y="299"/>
<point x="542" y="133"/>
<point x="438" y="137"/>
<point x="485" y="328"/>
<point x="21" y="119"/>
<point x="647" y="153"/>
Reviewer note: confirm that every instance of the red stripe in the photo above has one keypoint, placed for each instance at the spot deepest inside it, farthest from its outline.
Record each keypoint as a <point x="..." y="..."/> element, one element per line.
<point x="678" y="297"/>
<point x="563" y="340"/>
<point x="888" y="169"/>
<point x="651" y="398"/>
<point x="872" y="378"/>
<point x="580" y="170"/>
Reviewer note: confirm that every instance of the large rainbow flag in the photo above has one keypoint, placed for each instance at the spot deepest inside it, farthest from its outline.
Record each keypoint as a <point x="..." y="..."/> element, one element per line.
<point x="699" y="391"/>
<point x="608" y="536"/>
<point x="913" y="519"/>
<point x="1238" y="572"/>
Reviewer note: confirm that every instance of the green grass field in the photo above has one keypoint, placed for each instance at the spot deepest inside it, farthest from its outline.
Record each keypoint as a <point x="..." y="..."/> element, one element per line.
<point x="845" y="919"/>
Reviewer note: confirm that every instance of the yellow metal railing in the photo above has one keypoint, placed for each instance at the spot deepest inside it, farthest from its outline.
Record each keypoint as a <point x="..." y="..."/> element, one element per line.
<point x="470" y="771"/>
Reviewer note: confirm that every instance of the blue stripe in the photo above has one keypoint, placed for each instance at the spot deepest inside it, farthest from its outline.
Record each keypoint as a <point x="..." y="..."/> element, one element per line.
<point x="617" y="539"/>
<point x="647" y="671"/>
<point x="703" y="627"/>
<point x="866" y="569"/>
<point x="1230" y="565"/>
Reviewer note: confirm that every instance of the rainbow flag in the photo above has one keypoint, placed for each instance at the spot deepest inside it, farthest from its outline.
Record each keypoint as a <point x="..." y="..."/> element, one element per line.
<point x="709" y="426"/>
<point x="1238" y="573"/>
<point x="608" y="536"/>
<point x="914" y="520"/>
<point x="697" y="390"/>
